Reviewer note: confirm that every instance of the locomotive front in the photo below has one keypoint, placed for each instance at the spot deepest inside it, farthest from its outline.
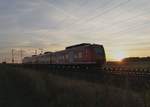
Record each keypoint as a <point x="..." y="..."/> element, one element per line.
<point x="86" y="53"/>
<point x="99" y="54"/>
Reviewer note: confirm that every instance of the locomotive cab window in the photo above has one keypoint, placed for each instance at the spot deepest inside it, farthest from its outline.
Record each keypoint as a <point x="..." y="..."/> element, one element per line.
<point x="98" y="51"/>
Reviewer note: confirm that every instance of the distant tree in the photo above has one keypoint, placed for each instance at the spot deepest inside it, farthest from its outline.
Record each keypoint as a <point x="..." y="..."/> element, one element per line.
<point x="136" y="59"/>
<point x="3" y="62"/>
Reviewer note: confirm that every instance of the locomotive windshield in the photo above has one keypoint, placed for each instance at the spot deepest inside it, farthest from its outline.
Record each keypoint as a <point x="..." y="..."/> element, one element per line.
<point x="100" y="54"/>
<point x="99" y="51"/>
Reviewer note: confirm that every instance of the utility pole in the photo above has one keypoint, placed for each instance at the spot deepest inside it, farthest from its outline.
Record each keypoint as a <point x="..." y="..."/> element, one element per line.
<point x="5" y="59"/>
<point x="13" y="56"/>
<point x="35" y="52"/>
<point x="21" y="54"/>
<point x="41" y="50"/>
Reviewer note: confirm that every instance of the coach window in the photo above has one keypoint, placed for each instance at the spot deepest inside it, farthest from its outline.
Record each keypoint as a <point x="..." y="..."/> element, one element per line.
<point x="60" y="57"/>
<point x="80" y="54"/>
<point x="52" y="58"/>
<point x="75" y="56"/>
<point x="86" y="52"/>
<point x="63" y="57"/>
<point x="66" y="56"/>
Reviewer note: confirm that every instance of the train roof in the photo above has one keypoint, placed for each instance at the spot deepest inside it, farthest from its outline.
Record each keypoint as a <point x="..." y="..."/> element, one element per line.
<point x="78" y="45"/>
<point x="48" y="52"/>
<point x="26" y="57"/>
<point x="34" y="55"/>
<point x="82" y="44"/>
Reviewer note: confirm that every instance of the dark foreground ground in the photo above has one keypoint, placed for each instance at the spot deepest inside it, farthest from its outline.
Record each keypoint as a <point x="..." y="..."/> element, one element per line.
<point x="28" y="88"/>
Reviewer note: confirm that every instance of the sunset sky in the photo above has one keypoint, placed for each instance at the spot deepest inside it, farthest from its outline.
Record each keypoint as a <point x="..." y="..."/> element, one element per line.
<point x="122" y="26"/>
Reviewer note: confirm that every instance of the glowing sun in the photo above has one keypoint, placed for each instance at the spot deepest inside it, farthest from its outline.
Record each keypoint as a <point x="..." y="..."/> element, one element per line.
<point x="118" y="56"/>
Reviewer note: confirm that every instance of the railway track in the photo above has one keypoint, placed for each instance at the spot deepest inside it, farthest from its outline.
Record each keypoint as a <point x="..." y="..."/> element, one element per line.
<point x="113" y="71"/>
<point x="118" y="76"/>
<point x="122" y="76"/>
<point x="126" y="70"/>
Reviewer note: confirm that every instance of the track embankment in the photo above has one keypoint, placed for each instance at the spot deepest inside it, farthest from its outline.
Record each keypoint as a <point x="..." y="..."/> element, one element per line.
<point x="22" y="87"/>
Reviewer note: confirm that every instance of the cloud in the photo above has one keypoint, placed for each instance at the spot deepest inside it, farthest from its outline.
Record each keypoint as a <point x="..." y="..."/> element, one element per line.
<point x="54" y="24"/>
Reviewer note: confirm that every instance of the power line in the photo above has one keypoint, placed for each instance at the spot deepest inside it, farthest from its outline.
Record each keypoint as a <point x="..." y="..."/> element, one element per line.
<point x="68" y="14"/>
<point x="133" y="28"/>
<point x="106" y="4"/>
<point x="129" y="19"/>
<point x="61" y="10"/>
<point x="107" y="11"/>
<point x="103" y="13"/>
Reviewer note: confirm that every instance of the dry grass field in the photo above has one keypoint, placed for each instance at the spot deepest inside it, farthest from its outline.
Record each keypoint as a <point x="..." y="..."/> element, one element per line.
<point x="21" y="87"/>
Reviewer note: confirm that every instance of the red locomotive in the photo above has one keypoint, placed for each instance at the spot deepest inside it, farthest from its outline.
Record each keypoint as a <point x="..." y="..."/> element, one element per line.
<point x="84" y="53"/>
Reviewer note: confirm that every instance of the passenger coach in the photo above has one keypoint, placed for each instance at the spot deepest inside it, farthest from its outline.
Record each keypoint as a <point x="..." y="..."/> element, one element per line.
<point x="81" y="54"/>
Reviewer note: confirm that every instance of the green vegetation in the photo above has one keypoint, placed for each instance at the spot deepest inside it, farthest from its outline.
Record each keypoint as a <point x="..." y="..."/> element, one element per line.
<point x="28" y="88"/>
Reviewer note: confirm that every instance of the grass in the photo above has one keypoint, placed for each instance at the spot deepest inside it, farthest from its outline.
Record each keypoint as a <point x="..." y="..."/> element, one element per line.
<point x="28" y="88"/>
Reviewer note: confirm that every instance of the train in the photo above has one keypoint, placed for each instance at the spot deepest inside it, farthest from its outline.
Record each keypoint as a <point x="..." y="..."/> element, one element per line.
<point x="79" y="54"/>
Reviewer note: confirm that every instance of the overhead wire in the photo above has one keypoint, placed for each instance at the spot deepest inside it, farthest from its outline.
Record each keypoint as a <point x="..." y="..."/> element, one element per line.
<point x="131" y="29"/>
<point x="129" y="19"/>
<point x="109" y="10"/>
<point x="79" y="20"/>
<point x="84" y="3"/>
<point x="106" y="11"/>
<point x="60" y="10"/>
